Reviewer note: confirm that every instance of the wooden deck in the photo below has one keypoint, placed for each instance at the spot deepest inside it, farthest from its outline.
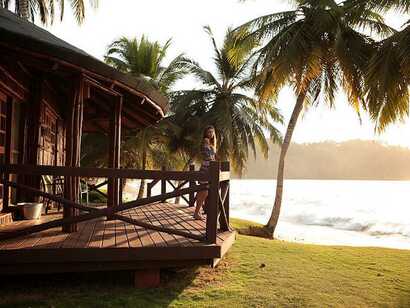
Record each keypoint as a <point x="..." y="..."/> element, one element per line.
<point x="102" y="244"/>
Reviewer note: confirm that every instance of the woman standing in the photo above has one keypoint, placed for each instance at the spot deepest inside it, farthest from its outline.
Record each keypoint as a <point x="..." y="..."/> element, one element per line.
<point x="208" y="152"/>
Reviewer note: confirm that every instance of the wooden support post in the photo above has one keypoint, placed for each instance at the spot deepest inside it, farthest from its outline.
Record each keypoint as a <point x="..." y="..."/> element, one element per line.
<point x="213" y="202"/>
<point x="147" y="278"/>
<point x="191" y="184"/>
<point x="114" y="153"/>
<point x="7" y="152"/>
<point x="163" y="185"/>
<point x="149" y="190"/>
<point x="22" y="141"/>
<point x="73" y="149"/>
<point x="122" y="181"/>
<point x="32" y="131"/>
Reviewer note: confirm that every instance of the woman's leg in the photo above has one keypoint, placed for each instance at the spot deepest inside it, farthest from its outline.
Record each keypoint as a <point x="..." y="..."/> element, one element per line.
<point x="200" y="199"/>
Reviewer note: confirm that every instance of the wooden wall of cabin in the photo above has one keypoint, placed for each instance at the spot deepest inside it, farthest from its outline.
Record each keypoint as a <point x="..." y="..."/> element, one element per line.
<point x="50" y="147"/>
<point x="3" y="99"/>
<point x="52" y="137"/>
<point x="9" y="106"/>
<point x="44" y="133"/>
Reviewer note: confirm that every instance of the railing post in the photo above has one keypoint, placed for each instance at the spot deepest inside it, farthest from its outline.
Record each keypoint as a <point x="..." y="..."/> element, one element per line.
<point x="213" y="202"/>
<point x="6" y="191"/>
<point x="4" y="179"/>
<point x="149" y="190"/>
<point x="191" y="197"/>
<point x="121" y="190"/>
<point x="225" y="190"/>
<point x="163" y="184"/>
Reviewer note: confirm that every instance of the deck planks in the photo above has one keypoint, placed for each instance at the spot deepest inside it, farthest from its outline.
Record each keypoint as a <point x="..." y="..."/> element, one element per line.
<point x="102" y="244"/>
<point x="101" y="238"/>
<point x="101" y="233"/>
<point x="109" y="234"/>
<point x="98" y="235"/>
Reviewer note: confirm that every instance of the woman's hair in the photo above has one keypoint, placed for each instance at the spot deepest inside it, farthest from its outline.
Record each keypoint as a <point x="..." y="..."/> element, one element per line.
<point x="212" y="140"/>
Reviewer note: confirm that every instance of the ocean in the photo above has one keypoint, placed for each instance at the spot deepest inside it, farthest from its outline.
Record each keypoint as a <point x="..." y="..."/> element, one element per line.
<point x="327" y="212"/>
<point x="330" y="212"/>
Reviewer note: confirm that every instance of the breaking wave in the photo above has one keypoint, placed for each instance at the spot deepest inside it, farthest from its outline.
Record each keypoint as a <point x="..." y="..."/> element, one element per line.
<point x="332" y="212"/>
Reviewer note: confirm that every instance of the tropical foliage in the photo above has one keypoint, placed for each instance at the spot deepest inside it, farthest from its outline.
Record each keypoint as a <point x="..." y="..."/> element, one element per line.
<point x="318" y="50"/>
<point x="223" y="101"/>
<point x="381" y="5"/>
<point x="143" y="58"/>
<point x="388" y="78"/>
<point x="46" y="10"/>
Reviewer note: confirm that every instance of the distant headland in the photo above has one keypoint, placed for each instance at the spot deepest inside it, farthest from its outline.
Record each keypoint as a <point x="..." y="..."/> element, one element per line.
<point x="350" y="160"/>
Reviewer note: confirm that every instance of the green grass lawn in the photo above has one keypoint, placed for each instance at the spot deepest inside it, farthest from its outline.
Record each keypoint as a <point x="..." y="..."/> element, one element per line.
<point x="255" y="273"/>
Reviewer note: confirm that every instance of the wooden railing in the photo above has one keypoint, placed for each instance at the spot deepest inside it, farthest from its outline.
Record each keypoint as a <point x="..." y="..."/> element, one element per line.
<point x="216" y="179"/>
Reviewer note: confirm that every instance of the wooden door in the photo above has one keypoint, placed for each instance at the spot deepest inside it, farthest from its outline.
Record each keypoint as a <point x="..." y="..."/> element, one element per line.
<point x="51" y="141"/>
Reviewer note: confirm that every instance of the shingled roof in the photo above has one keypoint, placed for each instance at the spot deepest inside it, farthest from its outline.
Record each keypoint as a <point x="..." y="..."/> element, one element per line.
<point x="15" y="31"/>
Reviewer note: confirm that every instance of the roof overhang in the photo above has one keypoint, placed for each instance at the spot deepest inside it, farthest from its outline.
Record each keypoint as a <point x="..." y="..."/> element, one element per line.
<point x="25" y="37"/>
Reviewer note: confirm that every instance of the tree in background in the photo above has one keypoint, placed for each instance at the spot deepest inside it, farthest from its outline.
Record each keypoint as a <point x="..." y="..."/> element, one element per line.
<point x="145" y="59"/>
<point x="317" y="49"/>
<point x="380" y="6"/>
<point x="241" y="121"/>
<point x="388" y="73"/>
<point x="46" y="9"/>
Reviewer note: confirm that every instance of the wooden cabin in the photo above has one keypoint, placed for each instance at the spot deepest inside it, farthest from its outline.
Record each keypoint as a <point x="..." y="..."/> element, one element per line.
<point x="50" y="94"/>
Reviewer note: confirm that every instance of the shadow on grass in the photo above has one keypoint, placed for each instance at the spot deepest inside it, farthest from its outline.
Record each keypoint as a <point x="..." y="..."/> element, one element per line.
<point x="258" y="231"/>
<point x="93" y="289"/>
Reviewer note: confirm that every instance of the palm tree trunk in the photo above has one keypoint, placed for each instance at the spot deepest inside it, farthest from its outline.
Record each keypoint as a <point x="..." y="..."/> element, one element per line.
<point x="273" y="220"/>
<point x="23" y="8"/>
<point x="142" y="183"/>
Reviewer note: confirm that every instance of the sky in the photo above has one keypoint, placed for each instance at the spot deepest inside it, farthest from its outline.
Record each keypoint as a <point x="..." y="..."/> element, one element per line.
<point x="183" y="21"/>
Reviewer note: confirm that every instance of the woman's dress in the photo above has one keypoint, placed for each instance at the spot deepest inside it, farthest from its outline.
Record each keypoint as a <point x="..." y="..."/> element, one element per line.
<point x="208" y="155"/>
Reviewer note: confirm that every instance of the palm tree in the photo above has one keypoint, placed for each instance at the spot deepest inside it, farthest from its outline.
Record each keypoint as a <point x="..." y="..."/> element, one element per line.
<point x="388" y="80"/>
<point x="317" y="49"/>
<point x="381" y="5"/>
<point x="240" y="120"/>
<point x="388" y="73"/>
<point x="143" y="58"/>
<point x="46" y="9"/>
<point x="181" y="140"/>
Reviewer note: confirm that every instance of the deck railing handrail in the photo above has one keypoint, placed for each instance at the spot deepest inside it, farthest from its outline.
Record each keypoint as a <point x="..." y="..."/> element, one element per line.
<point x="217" y="179"/>
<point x="103" y="172"/>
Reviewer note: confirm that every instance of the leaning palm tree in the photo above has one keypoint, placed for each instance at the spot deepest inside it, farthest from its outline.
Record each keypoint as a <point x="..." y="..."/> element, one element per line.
<point x="317" y="49"/>
<point x="144" y="58"/>
<point x="223" y="101"/>
<point x="46" y="9"/>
